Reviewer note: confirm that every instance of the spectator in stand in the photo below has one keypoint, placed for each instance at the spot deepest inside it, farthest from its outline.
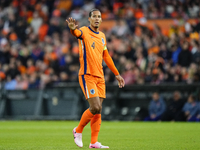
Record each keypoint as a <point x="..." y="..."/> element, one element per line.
<point x="30" y="67"/>
<point x="77" y="13"/>
<point x="4" y="51"/>
<point x="12" y="71"/>
<point x="156" y="108"/>
<point x="121" y="29"/>
<point x="141" y="53"/>
<point x="129" y="75"/>
<point x="33" y="81"/>
<point x="174" y="109"/>
<point x="11" y="83"/>
<point x="36" y="22"/>
<point x="42" y="31"/>
<point x="2" y="73"/>
<point x="185" y="56"/>
<point x="64" y="77"/>
<point x="198" y="115"/>
<point x="24" y="55"/>
<point x="165" y="53"/>
<point x="195" y="51"/>
<point x="36" y="51"/>
<point x="190" y="109"/>
<point x="54" y="26"/>
<point x="20" y="29"/>
<point x="21" y="68"/>
<point x="148" y="75"/>
<point x="175" y="53"/>
<point x="22" y="82"/>
<point x="193" y="73"/>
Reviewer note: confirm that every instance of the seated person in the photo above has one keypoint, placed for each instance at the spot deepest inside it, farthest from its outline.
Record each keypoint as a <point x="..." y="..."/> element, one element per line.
<point x="174" y="110"/>
<point x="198" y="115"/>
<point x="156" y="108"/>
<point x="190" y="109"/>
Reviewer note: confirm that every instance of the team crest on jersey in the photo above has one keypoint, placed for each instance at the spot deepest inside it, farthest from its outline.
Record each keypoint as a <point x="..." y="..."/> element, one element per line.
<point x="103" y="41"/>
<point x="92" y="91"/>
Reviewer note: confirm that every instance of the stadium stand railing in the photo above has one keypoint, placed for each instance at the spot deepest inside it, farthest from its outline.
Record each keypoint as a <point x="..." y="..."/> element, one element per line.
<point x="67" y="101"/>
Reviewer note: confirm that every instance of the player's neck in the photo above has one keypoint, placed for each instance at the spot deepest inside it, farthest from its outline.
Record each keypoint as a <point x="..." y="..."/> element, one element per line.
<point x="94" y="29"/>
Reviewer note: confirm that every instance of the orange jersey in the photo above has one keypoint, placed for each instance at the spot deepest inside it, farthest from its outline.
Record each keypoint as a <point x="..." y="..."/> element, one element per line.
<point x="91" y="47"/>
<point x="92" y="51"/>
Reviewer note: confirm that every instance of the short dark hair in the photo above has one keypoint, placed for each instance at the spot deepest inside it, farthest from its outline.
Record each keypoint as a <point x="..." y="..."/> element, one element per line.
<point x="90" y="13"/>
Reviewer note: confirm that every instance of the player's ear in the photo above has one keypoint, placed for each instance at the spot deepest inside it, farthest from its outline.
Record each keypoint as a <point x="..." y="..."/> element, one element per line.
<point x="89" y="19"/>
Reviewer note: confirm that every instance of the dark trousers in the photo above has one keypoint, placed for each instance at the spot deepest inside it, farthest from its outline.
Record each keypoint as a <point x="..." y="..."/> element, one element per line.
<point x="149" y="118"/>
<point x="169" y="115"/>
<point x="193" y="118"/>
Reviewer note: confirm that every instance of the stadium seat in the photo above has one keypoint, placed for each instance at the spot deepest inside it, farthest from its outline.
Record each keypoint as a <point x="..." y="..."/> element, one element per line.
<point x="109" y="107"/>
<point x="20" y="103"/>
<point x="60" y="103"/>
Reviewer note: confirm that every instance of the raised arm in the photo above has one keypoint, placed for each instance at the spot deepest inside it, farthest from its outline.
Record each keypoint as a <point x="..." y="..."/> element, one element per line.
<point x="109" y="62"/>
<point x="73" y="28"/>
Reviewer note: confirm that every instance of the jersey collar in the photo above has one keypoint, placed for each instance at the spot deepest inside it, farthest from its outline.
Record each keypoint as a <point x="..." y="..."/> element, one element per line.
<point x="93" y="31"/>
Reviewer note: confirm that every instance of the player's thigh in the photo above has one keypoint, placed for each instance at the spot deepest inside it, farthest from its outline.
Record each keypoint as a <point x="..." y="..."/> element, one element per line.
<point x="88" y="86"/>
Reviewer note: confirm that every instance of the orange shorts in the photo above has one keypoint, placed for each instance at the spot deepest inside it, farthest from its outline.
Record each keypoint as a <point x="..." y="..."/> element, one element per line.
<point x="92" y="86"/>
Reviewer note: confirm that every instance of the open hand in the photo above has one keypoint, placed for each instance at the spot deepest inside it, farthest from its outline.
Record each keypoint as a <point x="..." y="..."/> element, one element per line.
<point x="71" y="23"/>
<point x="120" y="80"/>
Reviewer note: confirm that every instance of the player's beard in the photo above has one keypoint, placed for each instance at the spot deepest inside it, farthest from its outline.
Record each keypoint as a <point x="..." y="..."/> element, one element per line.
<point x="96" y="26"/>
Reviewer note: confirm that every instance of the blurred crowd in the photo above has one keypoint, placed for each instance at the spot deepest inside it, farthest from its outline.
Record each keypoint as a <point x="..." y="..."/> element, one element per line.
<point x="174" y="109"/>
<point x="37" y="49"/>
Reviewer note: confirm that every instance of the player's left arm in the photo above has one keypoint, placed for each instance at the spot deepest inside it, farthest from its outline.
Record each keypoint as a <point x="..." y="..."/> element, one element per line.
<point x="109" y="62"/>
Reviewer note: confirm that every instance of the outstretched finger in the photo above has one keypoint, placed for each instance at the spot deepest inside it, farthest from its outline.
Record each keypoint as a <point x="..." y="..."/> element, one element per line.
<point x="67" y="21"/>
<point x="119" y="85"/>
<point x="123" y="82"/>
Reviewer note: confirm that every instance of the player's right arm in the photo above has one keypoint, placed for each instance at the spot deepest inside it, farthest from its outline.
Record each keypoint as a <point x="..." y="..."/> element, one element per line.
<point x="73" y="28"/>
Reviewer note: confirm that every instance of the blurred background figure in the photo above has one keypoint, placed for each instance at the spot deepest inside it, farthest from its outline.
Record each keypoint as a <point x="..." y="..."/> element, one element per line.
<point x="198" y="116"/>
<point x="144" y="52"/>
<point x="191" y="109"/>
<point x="174" y="109"/>
<point x="157" y="107"/>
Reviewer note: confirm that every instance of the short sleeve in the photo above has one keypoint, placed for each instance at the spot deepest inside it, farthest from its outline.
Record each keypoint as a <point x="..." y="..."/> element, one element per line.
<point x="82" y="29"/>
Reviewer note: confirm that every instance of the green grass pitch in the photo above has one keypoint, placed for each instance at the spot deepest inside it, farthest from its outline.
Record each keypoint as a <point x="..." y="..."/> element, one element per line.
<point x="57" y="135"/>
